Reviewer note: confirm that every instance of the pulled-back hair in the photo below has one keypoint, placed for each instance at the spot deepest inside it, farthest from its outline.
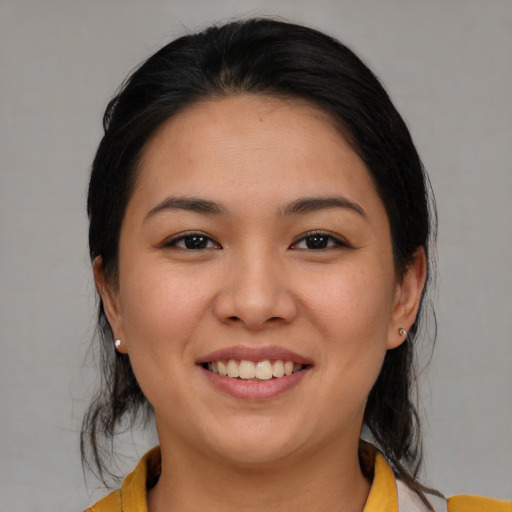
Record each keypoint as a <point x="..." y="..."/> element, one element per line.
<point x="269" y="58"/>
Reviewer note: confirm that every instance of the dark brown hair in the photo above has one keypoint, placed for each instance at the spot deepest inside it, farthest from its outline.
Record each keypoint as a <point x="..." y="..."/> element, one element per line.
<point x="278" y="59"/>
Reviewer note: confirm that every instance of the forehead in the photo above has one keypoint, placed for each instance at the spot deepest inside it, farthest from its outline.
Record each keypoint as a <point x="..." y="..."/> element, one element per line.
<point x="250" y="147"/>
<point x="253" y="121"/>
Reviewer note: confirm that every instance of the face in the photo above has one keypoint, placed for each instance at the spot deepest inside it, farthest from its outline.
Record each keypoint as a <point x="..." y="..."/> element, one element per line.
<point x="255" y="244"/>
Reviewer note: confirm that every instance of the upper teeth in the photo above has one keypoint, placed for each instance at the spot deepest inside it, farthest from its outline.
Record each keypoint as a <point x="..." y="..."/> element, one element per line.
<point x="262" y="370"/>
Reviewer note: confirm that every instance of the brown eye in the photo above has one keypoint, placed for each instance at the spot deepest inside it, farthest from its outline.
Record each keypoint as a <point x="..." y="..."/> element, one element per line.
<point x="193" y="241"/>
<point x="318" y="241"/>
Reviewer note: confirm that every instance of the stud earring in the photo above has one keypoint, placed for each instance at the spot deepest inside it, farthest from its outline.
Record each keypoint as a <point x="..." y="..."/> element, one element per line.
<point x="117" y="343"/>
<point x="402" y="331"/>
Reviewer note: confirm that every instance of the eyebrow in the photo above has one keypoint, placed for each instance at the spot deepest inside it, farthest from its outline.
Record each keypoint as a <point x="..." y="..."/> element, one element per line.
<point x="192" y="204"/>
<point x="313" y="204"/>
<point x="301" y="206"/>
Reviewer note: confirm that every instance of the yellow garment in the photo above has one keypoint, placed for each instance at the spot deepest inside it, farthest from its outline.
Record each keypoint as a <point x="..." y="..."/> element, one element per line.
<point x="382" y="498"/>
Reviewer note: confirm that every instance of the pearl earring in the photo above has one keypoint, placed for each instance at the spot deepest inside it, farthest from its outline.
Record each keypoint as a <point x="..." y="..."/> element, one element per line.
<point x="117" y="343"/>
<point x="402" y="331"/>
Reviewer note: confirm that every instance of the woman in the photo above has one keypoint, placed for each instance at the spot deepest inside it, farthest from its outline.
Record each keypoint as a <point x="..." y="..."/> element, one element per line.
<point x="259" y="231"/>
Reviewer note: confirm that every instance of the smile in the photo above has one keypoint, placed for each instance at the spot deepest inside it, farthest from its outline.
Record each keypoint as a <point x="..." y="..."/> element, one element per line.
<point x="255" y="373"/>
<point x="251" y="370"/>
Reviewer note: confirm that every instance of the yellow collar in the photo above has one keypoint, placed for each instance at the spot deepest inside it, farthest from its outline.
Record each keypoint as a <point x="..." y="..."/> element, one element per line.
<point x="382" y="497"/>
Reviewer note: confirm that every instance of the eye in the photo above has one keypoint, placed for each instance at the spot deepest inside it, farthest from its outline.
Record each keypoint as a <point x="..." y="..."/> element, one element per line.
<point x="192" y="241"/>
<point x="318" y="240"/>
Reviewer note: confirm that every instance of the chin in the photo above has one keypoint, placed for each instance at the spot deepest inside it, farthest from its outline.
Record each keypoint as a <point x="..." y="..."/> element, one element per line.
<point x="256" y="446"/>
<point x="255" y="457"/>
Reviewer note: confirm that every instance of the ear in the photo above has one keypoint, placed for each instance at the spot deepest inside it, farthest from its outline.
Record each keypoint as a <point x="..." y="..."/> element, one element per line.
<point x="110" y="297"/>
<point x="407" y="298"/>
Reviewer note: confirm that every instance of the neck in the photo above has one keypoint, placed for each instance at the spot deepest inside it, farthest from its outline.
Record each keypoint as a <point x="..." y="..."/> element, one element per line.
<point x="326" y="480"/>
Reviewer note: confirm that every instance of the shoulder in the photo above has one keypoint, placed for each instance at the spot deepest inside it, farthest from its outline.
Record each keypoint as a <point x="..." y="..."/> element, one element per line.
<point x="466" y="503"/>
<point x="110" y="503"/>
<point x="408" y="501"/>
<point x="389" y="494"/>
<point x="132" y="495"/>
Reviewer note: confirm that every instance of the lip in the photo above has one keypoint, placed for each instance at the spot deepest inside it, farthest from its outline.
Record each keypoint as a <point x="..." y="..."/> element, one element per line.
<point x="245" y="353"/>
<point x="255" y="390"/>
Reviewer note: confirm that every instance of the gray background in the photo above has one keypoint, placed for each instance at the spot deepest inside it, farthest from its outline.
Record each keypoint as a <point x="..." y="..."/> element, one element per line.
<point x="447" y="65"/>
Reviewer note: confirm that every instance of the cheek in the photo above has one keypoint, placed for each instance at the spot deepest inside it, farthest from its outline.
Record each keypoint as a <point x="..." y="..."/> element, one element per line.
<point x="352" y="310"/>
<point x="350" y="304"/>
<point x="161" y="312"/>
<point x="161" y="307"/>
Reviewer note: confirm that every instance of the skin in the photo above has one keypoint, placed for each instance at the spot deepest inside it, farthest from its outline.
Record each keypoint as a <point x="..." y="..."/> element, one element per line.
<point x="257" y="283"/>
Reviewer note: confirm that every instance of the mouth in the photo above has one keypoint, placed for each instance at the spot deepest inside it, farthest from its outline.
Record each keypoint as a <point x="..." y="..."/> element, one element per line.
<point x="247" y="370"/>
<point x="255" y="373"/>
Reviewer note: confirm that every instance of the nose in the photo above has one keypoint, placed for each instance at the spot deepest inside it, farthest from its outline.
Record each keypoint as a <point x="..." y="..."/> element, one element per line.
<point x="256" y="293"/>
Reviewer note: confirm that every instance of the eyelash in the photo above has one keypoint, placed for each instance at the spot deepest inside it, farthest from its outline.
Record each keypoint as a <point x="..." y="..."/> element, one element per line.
<point x="332" y="241"/>
<point x="173" y="242"/>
